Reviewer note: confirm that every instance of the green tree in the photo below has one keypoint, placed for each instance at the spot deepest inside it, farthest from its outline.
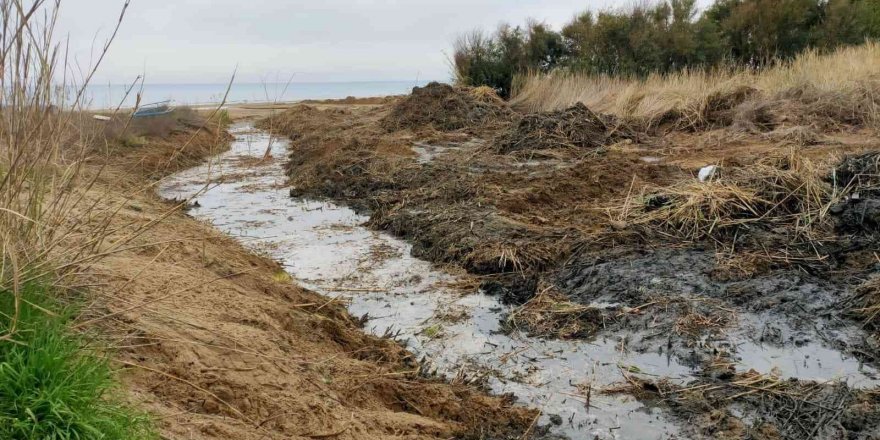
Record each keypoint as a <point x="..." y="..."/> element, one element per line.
<point x="495" y="60"/>
<point x="759" y="31"/>
<point x="841" y="24"/>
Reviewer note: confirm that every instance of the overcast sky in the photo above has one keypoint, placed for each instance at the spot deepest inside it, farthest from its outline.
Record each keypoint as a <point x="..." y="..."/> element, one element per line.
<point x="202" y="41"/>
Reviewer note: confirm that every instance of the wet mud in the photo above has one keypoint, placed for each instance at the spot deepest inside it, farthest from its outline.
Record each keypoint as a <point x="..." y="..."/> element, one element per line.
<point x="790" y="316"/>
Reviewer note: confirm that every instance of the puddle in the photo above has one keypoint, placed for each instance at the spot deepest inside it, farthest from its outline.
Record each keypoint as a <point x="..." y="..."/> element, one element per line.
<point x="795" y="358"/>
<point x="325" y="248"/>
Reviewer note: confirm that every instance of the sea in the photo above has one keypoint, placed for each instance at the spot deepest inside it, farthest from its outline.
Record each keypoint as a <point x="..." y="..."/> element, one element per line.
<point x="105" y="96"/>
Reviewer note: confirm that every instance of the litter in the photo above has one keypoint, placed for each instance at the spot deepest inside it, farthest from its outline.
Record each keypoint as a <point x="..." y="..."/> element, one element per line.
<point x="707" y="173"/>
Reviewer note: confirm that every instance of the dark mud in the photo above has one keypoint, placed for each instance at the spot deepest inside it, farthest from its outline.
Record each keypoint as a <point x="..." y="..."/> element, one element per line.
<point x="784" y="309"/>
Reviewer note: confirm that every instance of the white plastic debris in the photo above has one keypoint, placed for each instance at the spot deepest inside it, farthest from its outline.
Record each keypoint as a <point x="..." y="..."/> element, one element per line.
<point x="707" y="172"/>
<point x="101" y="117"/>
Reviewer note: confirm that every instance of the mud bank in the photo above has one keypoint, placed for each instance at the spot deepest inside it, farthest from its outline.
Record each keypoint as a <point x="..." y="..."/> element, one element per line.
<point x="582" y="237"/>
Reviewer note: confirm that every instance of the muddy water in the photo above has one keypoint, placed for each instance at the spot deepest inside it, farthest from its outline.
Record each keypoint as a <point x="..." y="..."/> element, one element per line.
<point x="324" y="247"/>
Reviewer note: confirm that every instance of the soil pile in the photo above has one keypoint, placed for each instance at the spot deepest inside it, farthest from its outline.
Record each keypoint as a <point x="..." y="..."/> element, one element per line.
<point x="577" y="128"/>
<point x="446" y="108"/>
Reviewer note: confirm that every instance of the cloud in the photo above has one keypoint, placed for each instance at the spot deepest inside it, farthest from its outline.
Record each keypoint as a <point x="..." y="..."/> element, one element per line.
<point x="197" y="41"/>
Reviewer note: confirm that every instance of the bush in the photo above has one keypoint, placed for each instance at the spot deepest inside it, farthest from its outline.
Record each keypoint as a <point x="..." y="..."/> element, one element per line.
<point x="50" y="388"/>
<point x="481" y="60"/>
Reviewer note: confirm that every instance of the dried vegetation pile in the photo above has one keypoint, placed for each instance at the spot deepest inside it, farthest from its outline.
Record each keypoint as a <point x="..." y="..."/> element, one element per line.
<point x="576" y="128"/>
<point x="781" y="408"/>
<point x="550" y="314"/>
<point x="339" y="153"/>
<point x="447" y="108"/>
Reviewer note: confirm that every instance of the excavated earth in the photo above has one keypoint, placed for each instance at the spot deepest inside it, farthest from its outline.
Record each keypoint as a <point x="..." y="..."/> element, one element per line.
<point x="557" y="215"/>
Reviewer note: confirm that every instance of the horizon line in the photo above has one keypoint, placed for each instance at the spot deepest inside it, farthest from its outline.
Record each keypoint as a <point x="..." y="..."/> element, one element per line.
<point x="93" y="83"/>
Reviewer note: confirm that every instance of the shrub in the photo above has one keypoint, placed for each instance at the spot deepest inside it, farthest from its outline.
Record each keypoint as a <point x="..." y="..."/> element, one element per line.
<point x="482" y="60"/>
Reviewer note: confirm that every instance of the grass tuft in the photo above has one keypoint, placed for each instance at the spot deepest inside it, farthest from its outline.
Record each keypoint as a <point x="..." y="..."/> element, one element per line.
<point x="53" y="388"/>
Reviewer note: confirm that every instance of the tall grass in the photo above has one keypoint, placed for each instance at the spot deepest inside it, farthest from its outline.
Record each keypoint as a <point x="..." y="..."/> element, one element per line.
<point x="846" y="81"/>
<point x="41" y="150"/>
<point x="51" y="385"/>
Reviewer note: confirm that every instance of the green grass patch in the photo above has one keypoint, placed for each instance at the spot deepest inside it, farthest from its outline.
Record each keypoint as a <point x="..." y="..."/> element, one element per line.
<point x="53" y="384"/>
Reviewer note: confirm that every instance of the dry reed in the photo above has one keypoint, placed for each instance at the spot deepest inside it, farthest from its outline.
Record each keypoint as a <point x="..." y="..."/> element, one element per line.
<point x="55" y="216"/>
<point x="551" y="314"/>
<point x="786" y="191"/>
<point x="843" y="84"/>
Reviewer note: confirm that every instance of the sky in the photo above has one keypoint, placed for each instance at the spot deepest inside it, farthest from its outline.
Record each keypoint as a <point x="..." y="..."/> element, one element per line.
<point x="204" y="41"/>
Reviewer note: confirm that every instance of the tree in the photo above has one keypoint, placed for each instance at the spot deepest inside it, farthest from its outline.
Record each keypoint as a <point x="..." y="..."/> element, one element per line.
<point x="759" y="31"/>
<point x="495" y="60"/>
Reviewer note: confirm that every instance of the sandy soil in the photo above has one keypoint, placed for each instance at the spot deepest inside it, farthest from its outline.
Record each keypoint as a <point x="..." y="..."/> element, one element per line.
<point x="220" y="344"/>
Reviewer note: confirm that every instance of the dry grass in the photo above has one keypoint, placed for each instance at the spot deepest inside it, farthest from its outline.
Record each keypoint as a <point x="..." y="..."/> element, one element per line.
<point x="843" y="85"/>
<point x="551" y="314"/>
<point x="867" y="302"/>
<point x="53" y="154"/>
<point x="785" y="191"/>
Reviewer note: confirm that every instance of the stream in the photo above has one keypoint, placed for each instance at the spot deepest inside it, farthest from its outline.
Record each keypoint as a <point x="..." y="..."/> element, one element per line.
<point x="324" y="247"/>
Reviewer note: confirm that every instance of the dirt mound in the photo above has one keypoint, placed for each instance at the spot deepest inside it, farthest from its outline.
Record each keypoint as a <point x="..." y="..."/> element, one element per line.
<point x="576" y="127"/>
<point x="446" y="108"/>
<point x="302" y="119"/>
